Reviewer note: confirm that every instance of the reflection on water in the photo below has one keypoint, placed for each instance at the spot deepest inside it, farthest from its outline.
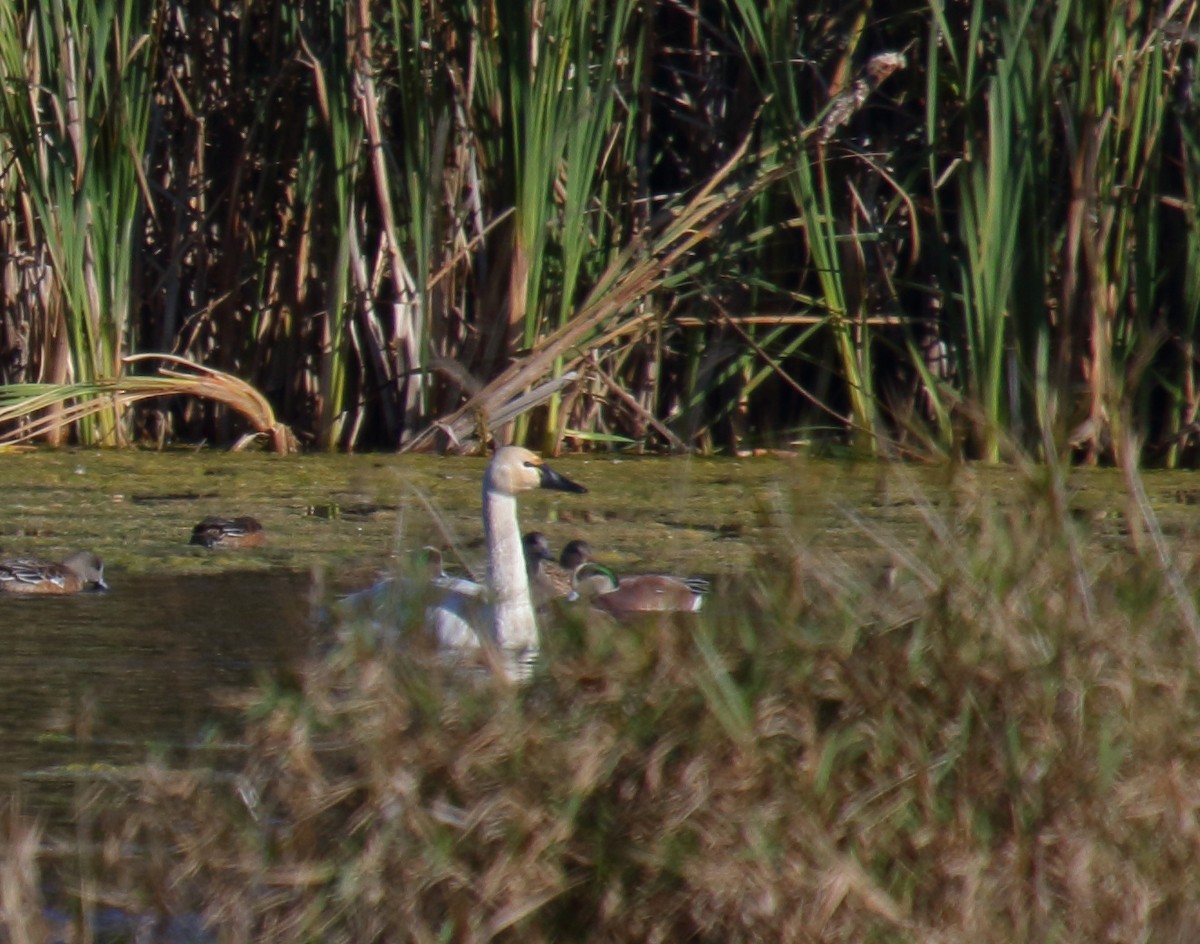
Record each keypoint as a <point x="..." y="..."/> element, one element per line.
<point x="108" y="678"/>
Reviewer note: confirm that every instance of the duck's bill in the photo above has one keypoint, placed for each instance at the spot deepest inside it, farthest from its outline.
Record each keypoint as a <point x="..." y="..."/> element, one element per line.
<point x="552" y="479"/>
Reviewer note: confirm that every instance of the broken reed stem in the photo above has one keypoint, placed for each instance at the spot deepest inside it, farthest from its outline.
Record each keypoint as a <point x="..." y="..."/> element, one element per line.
<point x="630" y="402"/>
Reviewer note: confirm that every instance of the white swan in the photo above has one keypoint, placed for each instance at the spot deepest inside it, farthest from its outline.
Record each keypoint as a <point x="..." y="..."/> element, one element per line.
<point x="464" y="615"/>
<point x="461" y="619"/>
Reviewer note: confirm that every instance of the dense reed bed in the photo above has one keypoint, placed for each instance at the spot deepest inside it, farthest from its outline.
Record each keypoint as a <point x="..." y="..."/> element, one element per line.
<point x="725" y="225"/>
<point x="996" y="744"/>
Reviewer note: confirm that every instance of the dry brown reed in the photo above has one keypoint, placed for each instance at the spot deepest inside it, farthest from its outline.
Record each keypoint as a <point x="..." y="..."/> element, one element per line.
<point x="21" y="903"/>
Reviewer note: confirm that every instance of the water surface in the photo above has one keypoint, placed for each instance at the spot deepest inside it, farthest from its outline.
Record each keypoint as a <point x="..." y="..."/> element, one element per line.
<point x="93" y="683"/>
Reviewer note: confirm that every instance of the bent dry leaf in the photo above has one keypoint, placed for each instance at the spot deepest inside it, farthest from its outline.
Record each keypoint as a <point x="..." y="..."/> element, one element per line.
<point x="38" y="409"/>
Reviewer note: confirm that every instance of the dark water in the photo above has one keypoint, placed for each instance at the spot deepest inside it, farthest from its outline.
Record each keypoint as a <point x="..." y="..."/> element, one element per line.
<point x="94" y="682"/>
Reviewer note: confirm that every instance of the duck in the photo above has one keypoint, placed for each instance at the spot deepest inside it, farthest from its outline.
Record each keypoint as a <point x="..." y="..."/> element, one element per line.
<point x="80" y="571"/>
<point x="599" y="586"/>
<point x="550" y="577"/>
<point x="229" y="532"/>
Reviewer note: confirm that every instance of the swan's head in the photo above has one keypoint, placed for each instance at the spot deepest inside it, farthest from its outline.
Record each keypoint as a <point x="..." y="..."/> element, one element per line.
<point x="514" y="470"/>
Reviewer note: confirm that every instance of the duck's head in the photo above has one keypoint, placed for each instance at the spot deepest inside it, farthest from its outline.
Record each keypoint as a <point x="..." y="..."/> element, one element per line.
<point x="428" y="560"/>
<point x="514" y="469"/>
<point x="575" y="553"/>
<point x="88" y="567"/>
<point x="537" y="548"/>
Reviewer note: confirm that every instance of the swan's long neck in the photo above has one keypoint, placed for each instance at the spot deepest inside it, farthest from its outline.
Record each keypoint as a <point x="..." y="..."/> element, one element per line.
<point x="513" y="621"/>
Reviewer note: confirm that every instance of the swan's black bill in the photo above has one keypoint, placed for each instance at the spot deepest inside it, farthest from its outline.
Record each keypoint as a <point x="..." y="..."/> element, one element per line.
<point x="552" y="479"/>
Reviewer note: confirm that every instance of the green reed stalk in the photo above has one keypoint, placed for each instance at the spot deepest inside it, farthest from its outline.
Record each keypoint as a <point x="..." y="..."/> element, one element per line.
<point x="850" y="335"/>
<point x="1184" y="397"/>
<point x="768" y="39"/>
<point x="75" y="104"/>
<point x="991" y="193"/>
<point x="423" y="158"/>
<point x="1059" y="209"/>
<point x="592" y="126"/>
<point x="1120" y="153"/>
<point x="762" y="32"/>
<point x="1183" y="394"/>
<point x="535" y="66"/>
<point x="343" y="126"/>
<point x="559" y="71"/>
<point x="584" y="218"/>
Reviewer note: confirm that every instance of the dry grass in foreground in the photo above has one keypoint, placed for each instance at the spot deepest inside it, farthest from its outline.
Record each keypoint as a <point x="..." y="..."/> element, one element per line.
<point x="1001" y="747"/>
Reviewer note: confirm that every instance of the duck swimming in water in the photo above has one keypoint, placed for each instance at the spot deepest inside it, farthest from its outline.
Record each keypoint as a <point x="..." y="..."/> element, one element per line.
<point x="229" y="532"/>
<point x="639" y="593"/>
<point x="576" y="575"/>
<point x="79" y="571"/>
<point x="550" y="577"/>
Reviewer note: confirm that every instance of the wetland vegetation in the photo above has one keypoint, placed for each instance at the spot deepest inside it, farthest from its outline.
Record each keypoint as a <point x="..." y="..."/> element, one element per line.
<point x="937" y="700"/>
<point x="915" y="228"/>
<point x="993" y="742"/>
